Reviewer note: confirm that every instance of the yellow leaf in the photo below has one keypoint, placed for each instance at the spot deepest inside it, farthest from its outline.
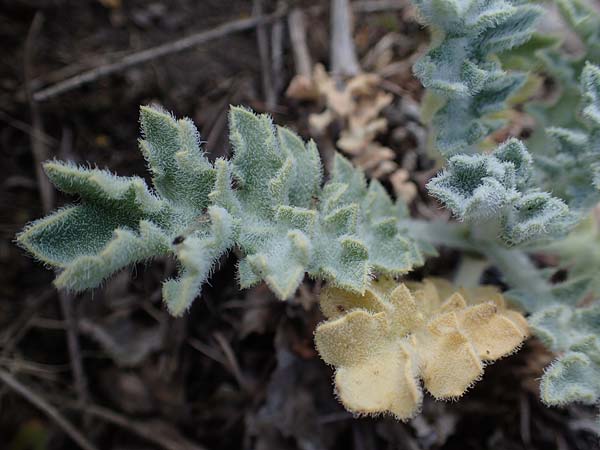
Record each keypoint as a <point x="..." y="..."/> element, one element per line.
<point x="351" y="339"/>
<point x="385" y="382"/>
<point x="382" y="342"/>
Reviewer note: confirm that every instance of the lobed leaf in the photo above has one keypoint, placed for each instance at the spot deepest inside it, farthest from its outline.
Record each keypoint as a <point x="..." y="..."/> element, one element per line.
<point x="382" y="342"/>
<point x="461" y="68"/>
<point x="571" y="165"/>
<point x="493" y="187"/>
<point x="267" y="201"/>
<point x="574" y="376"/>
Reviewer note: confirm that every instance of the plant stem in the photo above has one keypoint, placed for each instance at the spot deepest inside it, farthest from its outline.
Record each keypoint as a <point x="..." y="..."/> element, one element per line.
<point x="518" y="270"/>
<point x="438" y="232"/>
<point x="470" y="270"/>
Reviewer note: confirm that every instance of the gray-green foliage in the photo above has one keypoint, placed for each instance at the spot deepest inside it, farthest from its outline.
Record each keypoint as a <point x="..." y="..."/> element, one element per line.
<point x="510" y="194"/>
<point x="550" y="59"/>
<point x="268" y="201"/>
<point x="575" y="334"/>
<point x="490" y="189"/>
<point x="565" y="69"/>
<point x="493" y="189"/>
<point x="572" y="166"/>
<point x="340" y="232"/>
<point x="573" y="169"/>
<point x="461" y="66"/>
<point x="579" y="253"/>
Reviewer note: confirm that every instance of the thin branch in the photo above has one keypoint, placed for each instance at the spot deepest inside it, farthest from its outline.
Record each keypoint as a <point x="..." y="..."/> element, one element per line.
<point x="47" y="194"/>
<point x="69" y="315"/>
<point x="38" y="147"/>
<point x="525" y="419"/>
<point x="66" y="306"/>
<point x="232" y="362"/>
<point x="277" y="56"/>
<point x="152" y="431"/>
<point x="11" y="334"/>
<point x="48" y="409"/>
<point x="297" y="27"/>
<point x="374" y="6"/>
<point x="262" y="42"/>
<point x="25" y="128"/>
<point x="150" y="54"/>
<point x="343" y="57"/>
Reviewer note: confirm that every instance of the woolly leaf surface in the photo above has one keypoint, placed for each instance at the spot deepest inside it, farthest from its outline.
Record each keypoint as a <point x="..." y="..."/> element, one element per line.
<point x="384" y="341"/>
<point x="267" y="200"/>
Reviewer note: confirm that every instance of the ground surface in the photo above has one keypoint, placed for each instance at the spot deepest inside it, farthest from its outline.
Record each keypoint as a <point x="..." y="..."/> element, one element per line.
<point x="239" y="371"/>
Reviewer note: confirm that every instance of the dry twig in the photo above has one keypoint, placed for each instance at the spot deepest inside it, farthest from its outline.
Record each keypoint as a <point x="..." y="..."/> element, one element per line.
<point x="40" y="152"/>
<point x="26" y="128"/>
<point x="343" y="54"/>
<point x="48" y="409"/>
<point x="374" y="6"/>
<point x="66" y="306"/>
<point x="232" y="363"/>
<point x="156" y="432"/>
<point x="297" y="27"/>
<point x="301" y="85"/>
<point x="155" y="52"/>
<point x="263" y="53"/>
<point x="277" y="56"/>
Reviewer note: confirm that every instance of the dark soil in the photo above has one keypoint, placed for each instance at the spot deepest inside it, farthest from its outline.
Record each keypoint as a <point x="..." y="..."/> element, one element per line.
<point x="239" y="371"/>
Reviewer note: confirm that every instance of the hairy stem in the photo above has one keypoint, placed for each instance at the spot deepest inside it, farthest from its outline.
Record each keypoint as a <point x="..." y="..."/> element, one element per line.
<point x="518" y="270"/>
<point x="455" y="235"/>
<point x="470" y="270"/>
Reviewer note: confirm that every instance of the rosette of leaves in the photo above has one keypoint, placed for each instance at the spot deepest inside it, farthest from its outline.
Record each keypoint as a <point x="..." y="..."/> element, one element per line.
<point x="382" y="342"/>
<point x="267" y="201"/>
<point x="574" y="333"/>
<point x="460" y="67"/>
<point x="495" y="190"/>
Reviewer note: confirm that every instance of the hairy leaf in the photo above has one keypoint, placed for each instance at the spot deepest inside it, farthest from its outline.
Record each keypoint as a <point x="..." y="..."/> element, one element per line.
<point x="382" y="342"/>
<point x="268" y="201"/>
<point x="460" y="65"/>
<point x="493" y="189"/>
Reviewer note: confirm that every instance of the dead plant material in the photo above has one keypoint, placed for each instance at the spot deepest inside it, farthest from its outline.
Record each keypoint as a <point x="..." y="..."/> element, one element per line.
<point x="355" y="106"/>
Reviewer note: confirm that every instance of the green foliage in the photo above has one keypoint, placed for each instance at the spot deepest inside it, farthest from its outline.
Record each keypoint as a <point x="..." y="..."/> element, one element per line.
<point x="575" y="334"/>
<point x="462" y="69"/>
<point x="572" y="166"/>
<point x="561" y="67"/>
<point x="268" y="201"/>
<point x="493" y="189"/>
<point x="341" y="232"/>
<point x="579" y="253"/>
<point x="512" y="197"/>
